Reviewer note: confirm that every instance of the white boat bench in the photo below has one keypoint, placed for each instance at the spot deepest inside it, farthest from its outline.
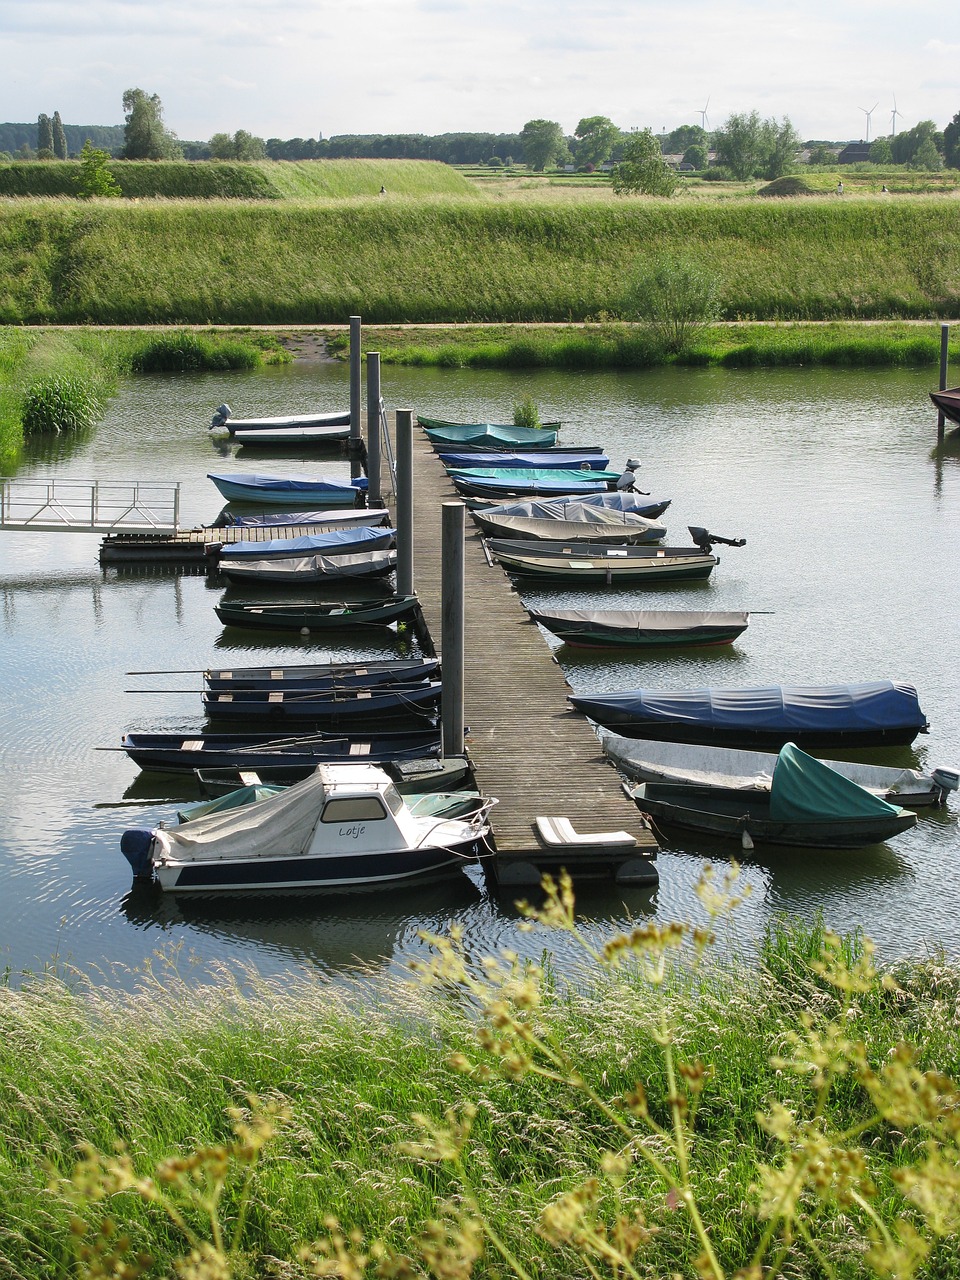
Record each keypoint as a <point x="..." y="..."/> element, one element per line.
<point x="557" y="833"/>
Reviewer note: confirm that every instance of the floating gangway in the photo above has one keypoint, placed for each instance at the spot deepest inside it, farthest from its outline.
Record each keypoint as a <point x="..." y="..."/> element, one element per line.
<point x="525" y="744"/>
<point x="55" y="505"/>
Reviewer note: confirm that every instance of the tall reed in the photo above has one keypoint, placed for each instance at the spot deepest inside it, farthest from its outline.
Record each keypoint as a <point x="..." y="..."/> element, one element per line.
<point x="665" y="1112"/>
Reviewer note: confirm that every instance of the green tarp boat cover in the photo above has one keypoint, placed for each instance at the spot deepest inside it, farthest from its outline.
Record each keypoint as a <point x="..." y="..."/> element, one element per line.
<point x="805" y="789"/>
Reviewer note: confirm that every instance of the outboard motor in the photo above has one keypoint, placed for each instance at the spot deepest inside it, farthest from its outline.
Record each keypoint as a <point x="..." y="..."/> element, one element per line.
<point x="705" y="540"/>
<point x="220" y="416"/>
<point x="946" y="779"/>
<point x="136" y="845"/>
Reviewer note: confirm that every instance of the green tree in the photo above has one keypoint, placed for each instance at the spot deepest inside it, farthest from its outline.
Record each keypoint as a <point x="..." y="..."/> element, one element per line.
<point x="738" y="144"/>
<point x="676" y="297"/>
<point x="44" y="133"/>
<point x="696" y="155"/>
<point x="643" y="169"/>
<point x="906" y="144"/>
<point x="221" y="147"/>
<point x="927" y="156"/>
<point x="596" y="136"/>
<point x="686" y="135"/>
<point x="753" y="148"/>
<point x="145" y="137"/>
<point x="881" y="151"/>
<point x="59" y="137"/>
<point x="951" y="143"/>
<point x="543" y="143"/>
<point x="822" y="155"/>
<point x="247" y="147"/>
<point x="95" y="177"/>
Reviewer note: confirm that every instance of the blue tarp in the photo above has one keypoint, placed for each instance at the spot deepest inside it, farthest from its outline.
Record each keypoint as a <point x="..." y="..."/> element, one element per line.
<point x="363" y="538"/>
<point x="292" y="484"/>
<point x="875" y="704"/>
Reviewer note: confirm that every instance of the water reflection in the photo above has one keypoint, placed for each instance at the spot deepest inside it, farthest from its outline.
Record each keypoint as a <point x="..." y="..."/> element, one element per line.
<point x="336" y="933"/>
<point x="852" y="527"/>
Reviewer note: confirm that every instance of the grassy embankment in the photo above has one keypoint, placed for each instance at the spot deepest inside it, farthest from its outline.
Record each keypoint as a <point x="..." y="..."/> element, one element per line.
<point x="60" y="379"/>
<point x="647" y="1114"/>
<point x="304" y="180"/>
<point x="447" y="260"/>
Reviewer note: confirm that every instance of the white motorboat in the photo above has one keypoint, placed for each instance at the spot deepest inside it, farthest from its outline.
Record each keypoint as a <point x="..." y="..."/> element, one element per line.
<point x="344" y="826"/>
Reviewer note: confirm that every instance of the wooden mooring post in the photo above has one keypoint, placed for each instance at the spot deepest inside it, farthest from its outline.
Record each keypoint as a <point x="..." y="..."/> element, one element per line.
<point x="944" y="348"/>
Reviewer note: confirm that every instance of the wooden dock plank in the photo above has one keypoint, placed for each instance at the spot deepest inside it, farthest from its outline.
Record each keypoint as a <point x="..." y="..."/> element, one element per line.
<point x="527" y="747"/>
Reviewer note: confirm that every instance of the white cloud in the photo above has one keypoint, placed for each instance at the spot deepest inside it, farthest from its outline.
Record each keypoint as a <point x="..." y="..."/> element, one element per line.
<point x="435" y="66"/>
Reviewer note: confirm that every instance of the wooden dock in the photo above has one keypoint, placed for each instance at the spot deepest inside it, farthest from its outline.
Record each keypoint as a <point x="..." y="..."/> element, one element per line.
<point x="195" y="546"/>
<point x="527" y="747"/>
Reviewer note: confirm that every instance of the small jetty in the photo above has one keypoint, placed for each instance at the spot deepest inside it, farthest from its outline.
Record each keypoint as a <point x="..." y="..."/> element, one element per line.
<point x="192" y="546"/>
<point x="540" y="759"/>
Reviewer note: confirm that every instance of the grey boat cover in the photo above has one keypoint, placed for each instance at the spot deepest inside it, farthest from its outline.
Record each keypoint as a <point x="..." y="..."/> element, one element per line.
<point x="651" y="760"/>
<point x="308" y="568"/>
<point x="645" y="621"/>
<point x="804" y="789"/>
<point x="579" y="509"/>
<point x="346" y="515"/>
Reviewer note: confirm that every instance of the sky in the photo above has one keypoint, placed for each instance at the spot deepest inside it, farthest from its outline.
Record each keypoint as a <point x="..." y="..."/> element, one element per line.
<point x="323" y="67"/>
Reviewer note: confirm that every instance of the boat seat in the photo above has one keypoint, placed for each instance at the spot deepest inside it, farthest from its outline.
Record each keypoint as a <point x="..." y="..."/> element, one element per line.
<point x="559" y="832"/>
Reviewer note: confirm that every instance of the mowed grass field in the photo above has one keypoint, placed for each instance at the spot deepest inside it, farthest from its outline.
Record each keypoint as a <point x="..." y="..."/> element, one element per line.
<point x="528" y="252"/>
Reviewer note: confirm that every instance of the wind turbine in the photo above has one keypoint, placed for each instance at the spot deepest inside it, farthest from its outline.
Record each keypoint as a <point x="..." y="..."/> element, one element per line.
<point x="893" y="114"/>
<point x="704" y="118"/>
<point x="868" y="114"/>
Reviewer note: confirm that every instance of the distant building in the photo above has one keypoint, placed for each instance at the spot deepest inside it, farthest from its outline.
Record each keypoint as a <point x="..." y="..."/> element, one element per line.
<point x="854" y="153"/>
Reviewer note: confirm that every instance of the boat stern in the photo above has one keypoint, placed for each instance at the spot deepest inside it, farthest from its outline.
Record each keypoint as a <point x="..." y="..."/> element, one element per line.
<point x="136" y="845"/>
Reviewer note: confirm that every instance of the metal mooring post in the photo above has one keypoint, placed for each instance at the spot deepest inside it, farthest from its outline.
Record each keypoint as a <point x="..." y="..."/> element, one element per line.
<point x="356" y="425"/>
<point x="452" y="626"/>
<point x="404" y="502"/>
<point x="373" y="428"/>
<point x="944" y="346"/>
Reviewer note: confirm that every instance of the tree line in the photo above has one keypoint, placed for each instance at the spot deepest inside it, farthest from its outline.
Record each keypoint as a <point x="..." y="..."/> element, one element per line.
<point x="746" y="146"/>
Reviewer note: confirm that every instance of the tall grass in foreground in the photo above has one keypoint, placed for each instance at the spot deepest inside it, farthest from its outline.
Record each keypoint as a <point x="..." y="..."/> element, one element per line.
<point x="667" y="1114"/>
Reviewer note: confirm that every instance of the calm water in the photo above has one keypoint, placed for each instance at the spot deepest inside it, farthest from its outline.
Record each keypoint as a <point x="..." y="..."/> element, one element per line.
<point x="852" y="524"/>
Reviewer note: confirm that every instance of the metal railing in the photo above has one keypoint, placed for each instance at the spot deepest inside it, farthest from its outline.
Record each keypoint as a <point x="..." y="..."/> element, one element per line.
<point x="89" y="506"/>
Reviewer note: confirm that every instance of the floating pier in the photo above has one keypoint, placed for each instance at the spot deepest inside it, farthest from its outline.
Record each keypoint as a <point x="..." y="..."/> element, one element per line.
<point x="540" y="759"/>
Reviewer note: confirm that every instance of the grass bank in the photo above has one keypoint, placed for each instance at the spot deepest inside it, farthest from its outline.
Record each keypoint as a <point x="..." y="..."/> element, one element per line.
<point x="460" y="260"/>
<point x="661" y="1118"/>
<point x="265" y="180"/>
<point x="632" y="346"/>
<point x="56" y="380"/>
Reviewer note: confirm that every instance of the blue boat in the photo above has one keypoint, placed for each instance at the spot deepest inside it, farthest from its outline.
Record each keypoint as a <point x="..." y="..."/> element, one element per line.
<point x="476" y="482"/>
<point x="288" y="490"/>
<point x="567" y="460"/>
<point x="337" y="542"/>
<point x="184" y="752"/>
<point x="869" y="714"/>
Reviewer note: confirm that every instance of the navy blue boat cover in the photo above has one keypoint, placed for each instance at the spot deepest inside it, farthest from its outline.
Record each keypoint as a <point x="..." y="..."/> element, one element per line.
<point x="874" y="704"/>
<point x="805" y="790"/>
